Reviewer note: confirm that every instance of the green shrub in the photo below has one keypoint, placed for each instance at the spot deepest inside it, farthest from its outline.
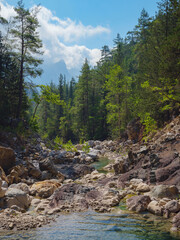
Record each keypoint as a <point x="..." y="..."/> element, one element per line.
<point x="86" y="147"/>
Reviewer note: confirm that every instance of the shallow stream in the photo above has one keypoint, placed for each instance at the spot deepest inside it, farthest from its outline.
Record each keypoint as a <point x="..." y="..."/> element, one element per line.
<point x="95" y="226"/>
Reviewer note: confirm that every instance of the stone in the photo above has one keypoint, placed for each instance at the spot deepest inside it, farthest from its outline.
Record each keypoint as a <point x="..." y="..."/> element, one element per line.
<point x="17" y="197"/>
<point x="73" y="196"/>
<point x="42" y="206"/>
<point x="35" y="202"/>
<point x="17" y="173"/>
<point x="143" y="187"/>
<point x="2" y="192"/>
<point x="7" y="158"/>
<point x="173" y="206"/>
<point x="93" y="153"/>
<point x="162" y="174"/>
<point x="96" y="175"/>
<point x="176" y="223"/>
<point x="120" y="167"/>
<point x="44" y="189"/>
<point x="22" y="186"/>
<point x="74" y="171"/>
<point x="16" y="208"/>
<point x="135" y="182"/>
<point x="164" y="191"/>
<point x="3" y="175"/>
<point x="138" y="203"/>
<point x="34" y="171"/>
<point x="47" y="165"/>
<point x="4" y="184"/>
<point x="45" y="175"/>
<point x="155" y="208"/>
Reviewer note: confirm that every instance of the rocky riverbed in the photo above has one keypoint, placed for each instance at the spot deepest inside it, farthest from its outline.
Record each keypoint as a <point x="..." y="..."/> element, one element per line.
<point x="37" y="184"/>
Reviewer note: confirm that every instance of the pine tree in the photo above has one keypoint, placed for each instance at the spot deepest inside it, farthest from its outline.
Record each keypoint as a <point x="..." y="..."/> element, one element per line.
<point x="25" y="43"/>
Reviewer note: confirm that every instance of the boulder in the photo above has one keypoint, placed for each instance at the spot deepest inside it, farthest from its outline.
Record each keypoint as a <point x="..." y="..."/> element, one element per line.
<point x="22" y="186"/>
<point x="47" y="165"/>
<point x="172" y="206"/>
<point x="135" y="182"/>
<point x="7" y="158"/>
<point x="93" y="153"/>
<point x="138" y="203"/>
<point x="74" y="171"/>
<point x="34" y="171"/>
<point x="120" y="167"/>
<point x="45" y="175"/>
<point x="44" y="189"/>
<point x="163" y="174"/>
<point x="155" y="208"/>
<point x="143" y="187"/>
<point x="17" y="197"/>
<point x="164" y="191"/>
<point x="72" y="196"/>
<point x="17" y="173"/>
<point x="176" y="223"/>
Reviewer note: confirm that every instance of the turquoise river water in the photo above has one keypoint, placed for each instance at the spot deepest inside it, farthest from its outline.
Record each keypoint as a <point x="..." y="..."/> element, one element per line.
<point x="94" y="226"/>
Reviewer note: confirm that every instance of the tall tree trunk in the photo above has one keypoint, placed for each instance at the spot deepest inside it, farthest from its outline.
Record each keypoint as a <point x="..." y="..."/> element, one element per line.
<point x="21" y="80"/>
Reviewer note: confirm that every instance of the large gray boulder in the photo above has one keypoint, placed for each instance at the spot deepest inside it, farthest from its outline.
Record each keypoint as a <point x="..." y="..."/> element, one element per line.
<point x="138" y="203"/>
<point x="155" y="208"/>
<point x="164" y="191"/>
<point x="93" y="153"/>
<point x="17" y="197"/>
<point x="172" y="206"/>
<point x="22" y="186"/>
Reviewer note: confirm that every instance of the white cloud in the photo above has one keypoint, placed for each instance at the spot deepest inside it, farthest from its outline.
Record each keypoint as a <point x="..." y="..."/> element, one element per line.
<point x="67" y="30"/>
<point x="73" y="56"/>
<point x="60" y="37"/>
<point x="6" y="10"/>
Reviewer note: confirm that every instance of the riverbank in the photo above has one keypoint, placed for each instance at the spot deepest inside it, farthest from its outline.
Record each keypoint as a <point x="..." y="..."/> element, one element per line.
<point x="45" y="183"/>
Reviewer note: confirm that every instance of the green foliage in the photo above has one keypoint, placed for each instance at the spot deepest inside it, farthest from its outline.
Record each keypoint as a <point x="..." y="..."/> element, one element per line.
<point x="25" y="44"/>
<point x="33" y="123"/>
<point x="150" y="125"/>
<point x="69" y="147"/>
<point x="85" y="147"/>
<point x="118" y="89"/>
<point x="58" y="142"/>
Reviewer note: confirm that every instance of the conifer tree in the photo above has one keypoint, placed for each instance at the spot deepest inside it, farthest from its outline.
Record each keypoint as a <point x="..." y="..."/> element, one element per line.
<point x="26" y="45"/>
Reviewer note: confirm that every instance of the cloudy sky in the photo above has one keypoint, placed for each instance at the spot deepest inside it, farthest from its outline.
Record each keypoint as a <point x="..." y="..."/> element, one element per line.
<point x="73" y="30"/>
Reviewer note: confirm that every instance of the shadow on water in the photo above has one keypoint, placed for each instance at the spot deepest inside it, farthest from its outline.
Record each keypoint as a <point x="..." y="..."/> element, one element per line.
<point x="91" y="225"/>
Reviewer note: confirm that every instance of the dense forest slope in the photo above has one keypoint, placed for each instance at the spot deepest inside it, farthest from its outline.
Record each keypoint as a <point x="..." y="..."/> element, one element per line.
<point x="137" y="79"/>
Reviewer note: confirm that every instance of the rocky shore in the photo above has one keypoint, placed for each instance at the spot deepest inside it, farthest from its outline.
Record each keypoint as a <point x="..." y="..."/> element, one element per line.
<point x="37" y="183"/>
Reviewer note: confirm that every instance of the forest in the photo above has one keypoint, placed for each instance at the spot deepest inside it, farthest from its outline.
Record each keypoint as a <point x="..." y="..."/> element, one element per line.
<point x="139" y="78"/>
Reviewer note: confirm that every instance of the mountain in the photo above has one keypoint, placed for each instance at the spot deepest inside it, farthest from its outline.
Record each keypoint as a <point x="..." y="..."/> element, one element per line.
<point x="51" y="72"/>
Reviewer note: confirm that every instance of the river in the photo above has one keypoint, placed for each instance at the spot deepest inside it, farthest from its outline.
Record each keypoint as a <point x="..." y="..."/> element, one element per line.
<point x="95" y="226"/>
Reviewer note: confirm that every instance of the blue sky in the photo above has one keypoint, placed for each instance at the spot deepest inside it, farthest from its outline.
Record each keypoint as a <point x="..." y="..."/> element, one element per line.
<point x="119" y="16"/>
<point x="73" y="30"/>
